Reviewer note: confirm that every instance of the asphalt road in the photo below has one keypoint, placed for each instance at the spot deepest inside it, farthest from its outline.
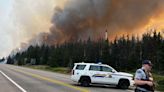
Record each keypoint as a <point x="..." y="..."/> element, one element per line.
<point x="31" y="80"/>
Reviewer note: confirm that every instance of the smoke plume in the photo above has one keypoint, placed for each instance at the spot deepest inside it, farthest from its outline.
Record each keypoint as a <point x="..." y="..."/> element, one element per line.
<point x="55" y="22"/>
<point x="80" y="19"/>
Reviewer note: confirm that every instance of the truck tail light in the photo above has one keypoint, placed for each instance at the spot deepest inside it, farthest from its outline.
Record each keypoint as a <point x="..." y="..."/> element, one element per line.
<point x="73" y="71"/>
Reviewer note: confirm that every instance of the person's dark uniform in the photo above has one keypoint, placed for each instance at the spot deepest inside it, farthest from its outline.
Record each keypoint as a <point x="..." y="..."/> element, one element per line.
<point x="141" y="74"/>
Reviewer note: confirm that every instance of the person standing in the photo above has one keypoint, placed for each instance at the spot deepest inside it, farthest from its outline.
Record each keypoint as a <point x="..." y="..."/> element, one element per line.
<point x="143" y="78"/>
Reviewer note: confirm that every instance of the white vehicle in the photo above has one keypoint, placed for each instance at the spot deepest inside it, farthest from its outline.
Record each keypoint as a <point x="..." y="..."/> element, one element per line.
<point x="90" y="73"/>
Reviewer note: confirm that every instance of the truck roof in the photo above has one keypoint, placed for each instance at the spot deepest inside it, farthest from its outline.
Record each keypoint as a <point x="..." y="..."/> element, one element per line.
<point x="91" y="63"/>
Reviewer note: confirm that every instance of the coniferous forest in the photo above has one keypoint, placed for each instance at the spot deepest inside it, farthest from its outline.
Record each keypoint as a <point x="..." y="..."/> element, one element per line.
<point x="124" y="53"/>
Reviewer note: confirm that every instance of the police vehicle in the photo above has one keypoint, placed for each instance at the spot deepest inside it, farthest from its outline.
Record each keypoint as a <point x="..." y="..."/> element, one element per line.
<point x="91" y="73"/>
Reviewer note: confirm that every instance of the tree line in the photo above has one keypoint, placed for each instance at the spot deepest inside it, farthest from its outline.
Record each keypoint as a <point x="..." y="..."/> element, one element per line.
<point x="124" y="53"/>
<point x="2" y="59"/>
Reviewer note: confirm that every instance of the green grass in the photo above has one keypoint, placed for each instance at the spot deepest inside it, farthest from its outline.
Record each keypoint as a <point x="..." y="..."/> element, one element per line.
<point x="52" y="69"/>
<point x="159" y="81"/>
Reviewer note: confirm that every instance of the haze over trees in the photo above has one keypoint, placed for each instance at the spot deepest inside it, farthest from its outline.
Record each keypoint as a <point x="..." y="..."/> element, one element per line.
<point x="124" y="53"/>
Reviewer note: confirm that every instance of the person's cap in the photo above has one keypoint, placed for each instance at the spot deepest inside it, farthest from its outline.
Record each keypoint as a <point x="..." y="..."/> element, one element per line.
<point x="147" y="62"/>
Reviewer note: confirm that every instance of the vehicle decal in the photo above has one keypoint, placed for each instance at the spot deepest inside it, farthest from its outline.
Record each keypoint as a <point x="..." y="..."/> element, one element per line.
<point x="110" y="76"/>
<point x="99" y="75"/>
<point x="102" y="75"/>
<point x="121" y="75"/>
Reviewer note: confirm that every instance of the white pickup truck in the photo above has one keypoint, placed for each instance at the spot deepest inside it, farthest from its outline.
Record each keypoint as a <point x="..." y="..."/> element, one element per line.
<point x="91" y="73"/>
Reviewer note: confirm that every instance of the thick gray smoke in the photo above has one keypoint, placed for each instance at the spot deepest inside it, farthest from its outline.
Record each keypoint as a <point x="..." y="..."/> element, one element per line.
<point x="80" y="19"/>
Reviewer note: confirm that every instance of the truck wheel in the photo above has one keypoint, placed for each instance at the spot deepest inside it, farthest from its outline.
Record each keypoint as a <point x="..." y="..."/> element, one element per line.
<point x="85" y="82"/>
<point x="123" y="84"/>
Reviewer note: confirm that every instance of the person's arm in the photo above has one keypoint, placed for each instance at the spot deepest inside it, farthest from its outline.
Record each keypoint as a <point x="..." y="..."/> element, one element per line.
<point x="151" y="77"/>
<point x="141" y="82"/>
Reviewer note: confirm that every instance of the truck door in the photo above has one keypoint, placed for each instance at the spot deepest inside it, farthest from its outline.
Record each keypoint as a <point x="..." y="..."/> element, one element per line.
<point x="95" y="73"/>
<point x="108" y="79"/>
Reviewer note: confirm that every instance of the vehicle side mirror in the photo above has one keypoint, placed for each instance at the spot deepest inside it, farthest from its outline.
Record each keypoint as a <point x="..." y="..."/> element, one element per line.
<point x="113" y="71"/>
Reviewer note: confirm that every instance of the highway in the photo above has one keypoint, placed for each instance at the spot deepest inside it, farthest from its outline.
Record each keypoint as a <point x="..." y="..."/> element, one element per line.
<point x="21" y="79"/>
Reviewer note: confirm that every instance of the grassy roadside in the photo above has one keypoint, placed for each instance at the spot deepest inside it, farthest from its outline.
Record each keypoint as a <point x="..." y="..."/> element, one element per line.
<point x="63" y="70"/>
<point x="159" y="79"/>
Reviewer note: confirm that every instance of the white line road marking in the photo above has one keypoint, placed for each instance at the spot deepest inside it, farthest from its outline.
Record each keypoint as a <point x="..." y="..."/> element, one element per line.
<point x="23" y="90"/>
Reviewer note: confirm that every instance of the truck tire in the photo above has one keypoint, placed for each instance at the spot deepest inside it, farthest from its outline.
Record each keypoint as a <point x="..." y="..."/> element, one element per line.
<point x="123" y="84"/>
<point x="85" y="81"/>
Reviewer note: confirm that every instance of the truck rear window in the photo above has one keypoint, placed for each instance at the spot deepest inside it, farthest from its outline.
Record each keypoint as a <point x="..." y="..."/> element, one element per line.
<point x="80" y="67"/>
